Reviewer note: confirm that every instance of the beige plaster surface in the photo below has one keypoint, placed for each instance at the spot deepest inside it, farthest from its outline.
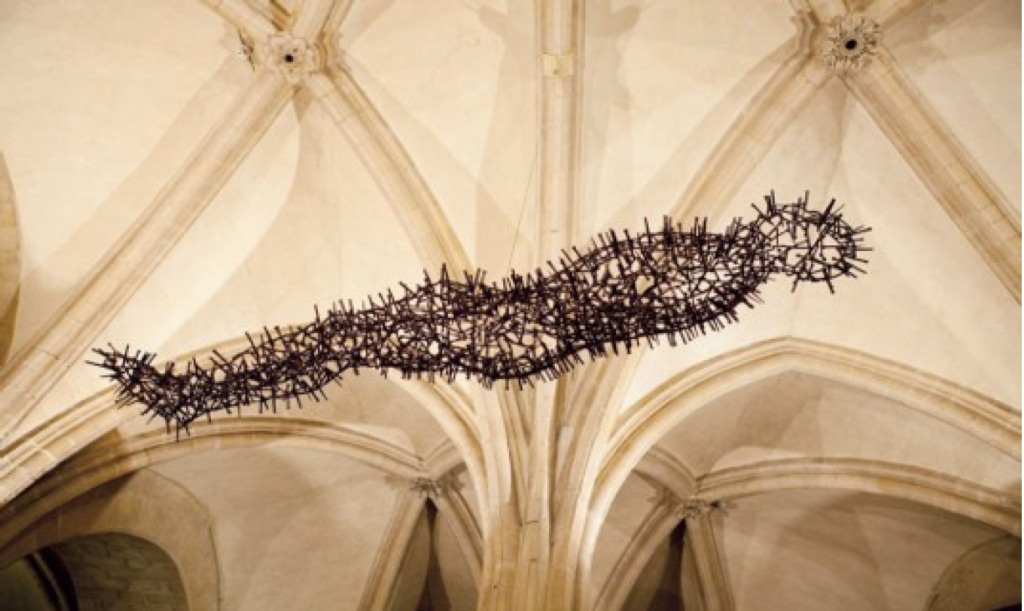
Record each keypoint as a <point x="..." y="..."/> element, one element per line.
<point x="839" y="551"/>
<point x="652" y="113"/>
<point x="952" y="320"/>
<point x="129" y="94"/>
<point x="961" y="53"/>
<point x="795" y="415"/>
<point x="490" y="133"/>
<point x="621" y="524"/>
<point x="294" y="528"/>
<point x="457" y="84"/>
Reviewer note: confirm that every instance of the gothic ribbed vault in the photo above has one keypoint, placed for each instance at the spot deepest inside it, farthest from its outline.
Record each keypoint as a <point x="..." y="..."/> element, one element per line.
<point x="174" y="174"/>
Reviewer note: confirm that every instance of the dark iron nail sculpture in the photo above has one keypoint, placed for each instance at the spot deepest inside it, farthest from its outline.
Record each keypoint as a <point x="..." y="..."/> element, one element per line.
<point x="672" y="283"/>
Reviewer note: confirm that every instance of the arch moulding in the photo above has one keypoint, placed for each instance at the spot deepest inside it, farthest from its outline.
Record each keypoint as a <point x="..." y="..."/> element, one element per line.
<point x="916" y="484"/>
<point x="37" y="452"/>
<point x="116" y="458"/>
<point x="143" y="505"/>
<point x="646" y="422"/>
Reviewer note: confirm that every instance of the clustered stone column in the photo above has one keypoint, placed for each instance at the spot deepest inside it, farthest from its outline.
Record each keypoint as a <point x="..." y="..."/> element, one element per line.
<point x="698" y="512"/>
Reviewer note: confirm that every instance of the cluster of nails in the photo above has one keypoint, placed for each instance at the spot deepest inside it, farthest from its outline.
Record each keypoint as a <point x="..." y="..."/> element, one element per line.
<point x="674" y="284"/>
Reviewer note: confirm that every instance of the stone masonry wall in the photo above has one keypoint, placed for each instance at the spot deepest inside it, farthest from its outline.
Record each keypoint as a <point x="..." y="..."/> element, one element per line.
<point x="114" y="572"/>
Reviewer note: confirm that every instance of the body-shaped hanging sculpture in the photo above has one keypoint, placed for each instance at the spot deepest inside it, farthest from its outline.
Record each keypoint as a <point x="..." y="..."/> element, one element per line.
<point x="673" y="283"/>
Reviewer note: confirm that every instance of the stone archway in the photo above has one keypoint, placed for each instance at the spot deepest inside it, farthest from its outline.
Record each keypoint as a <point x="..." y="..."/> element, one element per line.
<point x="117" y="572"/>
<point x="142" y="511"/>
<point x="642" y="425"/>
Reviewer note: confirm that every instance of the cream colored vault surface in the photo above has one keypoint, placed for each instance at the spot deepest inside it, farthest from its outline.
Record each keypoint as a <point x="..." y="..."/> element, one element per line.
<point x="176" y="173"/>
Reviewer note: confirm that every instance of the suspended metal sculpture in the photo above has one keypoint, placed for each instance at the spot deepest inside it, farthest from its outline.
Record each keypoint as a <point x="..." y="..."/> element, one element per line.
<point x="673" y="283"/>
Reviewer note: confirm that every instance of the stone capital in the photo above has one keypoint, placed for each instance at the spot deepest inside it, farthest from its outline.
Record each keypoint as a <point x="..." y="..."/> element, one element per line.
<point x="695" y="507"/>
<point x="426" y="487"/>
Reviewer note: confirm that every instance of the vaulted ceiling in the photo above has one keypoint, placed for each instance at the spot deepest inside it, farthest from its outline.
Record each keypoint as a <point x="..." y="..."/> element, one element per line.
<point x="170" y="181"/>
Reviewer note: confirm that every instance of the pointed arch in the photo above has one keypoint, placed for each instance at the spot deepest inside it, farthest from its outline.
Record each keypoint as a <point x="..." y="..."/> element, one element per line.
<point x="643" y="424"/>
<point x="144" y="506"/>
<point x="40" y="450"/>
<point x="111" y="459"/>
<point x="916" y="484"/>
